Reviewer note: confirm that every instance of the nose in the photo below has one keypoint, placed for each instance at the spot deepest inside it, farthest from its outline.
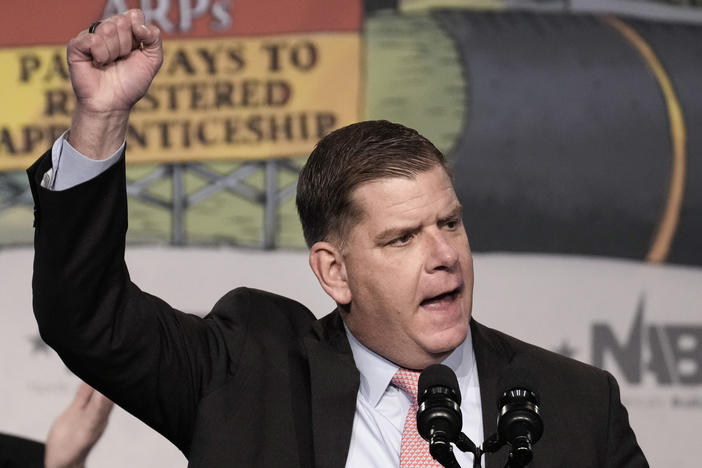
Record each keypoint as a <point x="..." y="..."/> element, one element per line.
<point x="442" y="254"/>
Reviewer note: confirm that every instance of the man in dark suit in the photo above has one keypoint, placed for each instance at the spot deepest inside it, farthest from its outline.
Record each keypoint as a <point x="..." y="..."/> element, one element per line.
<point x="260" y="381"/>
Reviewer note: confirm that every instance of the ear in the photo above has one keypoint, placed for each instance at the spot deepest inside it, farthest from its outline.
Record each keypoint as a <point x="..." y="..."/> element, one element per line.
<point x="330" y="269"/>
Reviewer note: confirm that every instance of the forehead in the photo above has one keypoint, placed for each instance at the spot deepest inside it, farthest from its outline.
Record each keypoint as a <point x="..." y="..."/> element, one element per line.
<point x="425" y="196"/>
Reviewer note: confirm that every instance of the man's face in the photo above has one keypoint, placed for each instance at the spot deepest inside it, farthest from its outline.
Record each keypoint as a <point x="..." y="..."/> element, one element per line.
<point x="409" y="269"/>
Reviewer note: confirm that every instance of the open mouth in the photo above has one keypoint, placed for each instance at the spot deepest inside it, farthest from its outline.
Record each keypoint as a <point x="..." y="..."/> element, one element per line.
<point x="447" y="296"/>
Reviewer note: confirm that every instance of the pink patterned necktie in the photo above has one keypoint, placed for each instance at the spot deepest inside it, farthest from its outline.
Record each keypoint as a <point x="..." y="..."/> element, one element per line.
<point x="414" y="451"/>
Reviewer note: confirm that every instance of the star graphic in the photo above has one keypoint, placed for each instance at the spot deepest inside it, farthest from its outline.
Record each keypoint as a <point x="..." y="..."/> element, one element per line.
<point x="38" y="345"/>
<point x="566" y="349"/>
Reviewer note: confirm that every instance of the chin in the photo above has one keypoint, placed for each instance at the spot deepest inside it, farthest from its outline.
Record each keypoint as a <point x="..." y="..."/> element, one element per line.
<point x="446" y="341"/>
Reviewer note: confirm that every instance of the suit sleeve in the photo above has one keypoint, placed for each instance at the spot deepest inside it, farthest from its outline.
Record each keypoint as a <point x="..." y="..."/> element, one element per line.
<point x="150" y="359"/>
<point x="623" y="450"/>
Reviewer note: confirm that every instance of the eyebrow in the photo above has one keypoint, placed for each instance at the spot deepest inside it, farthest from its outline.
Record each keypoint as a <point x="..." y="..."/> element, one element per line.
<point x="399" y="231"/>
<point x="395" y="232"/>
<point x="457" y="212"/>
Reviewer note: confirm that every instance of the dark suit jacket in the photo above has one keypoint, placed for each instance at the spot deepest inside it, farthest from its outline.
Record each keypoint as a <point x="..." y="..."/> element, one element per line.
<point x="18" y="452"/>
<point x="259" y="381"/>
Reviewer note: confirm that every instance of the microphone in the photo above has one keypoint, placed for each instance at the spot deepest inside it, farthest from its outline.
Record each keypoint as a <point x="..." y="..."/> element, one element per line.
<point x="519" y="422"/>
<point x="439" y="418"/>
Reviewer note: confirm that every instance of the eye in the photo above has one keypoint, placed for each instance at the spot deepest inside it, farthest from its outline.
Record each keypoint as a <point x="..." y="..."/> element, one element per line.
<point x="452" y="223"/>
<point x="402" y="240"/>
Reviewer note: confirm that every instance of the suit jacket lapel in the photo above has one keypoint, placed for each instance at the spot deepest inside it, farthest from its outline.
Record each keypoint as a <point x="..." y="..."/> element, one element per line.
<point x="492" y="356"/>
<point x="334" y="382"/>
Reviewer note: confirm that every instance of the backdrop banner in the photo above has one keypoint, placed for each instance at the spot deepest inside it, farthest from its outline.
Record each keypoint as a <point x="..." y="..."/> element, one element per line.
<point x="570" y="129"/>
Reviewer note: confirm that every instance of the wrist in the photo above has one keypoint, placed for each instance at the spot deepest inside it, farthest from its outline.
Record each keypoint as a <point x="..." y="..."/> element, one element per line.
<point x="97" y="134"/>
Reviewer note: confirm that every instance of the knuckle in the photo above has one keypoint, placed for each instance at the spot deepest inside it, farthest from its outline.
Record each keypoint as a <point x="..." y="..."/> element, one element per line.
<point x="107" y="28"/>
<point x="134" y="14"/>
<point x="123" y="22"/>
<point x="88" y="42"/>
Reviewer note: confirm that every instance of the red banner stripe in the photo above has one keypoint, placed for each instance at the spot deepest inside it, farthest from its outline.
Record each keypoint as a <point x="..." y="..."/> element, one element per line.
<point x="39" y="22"/>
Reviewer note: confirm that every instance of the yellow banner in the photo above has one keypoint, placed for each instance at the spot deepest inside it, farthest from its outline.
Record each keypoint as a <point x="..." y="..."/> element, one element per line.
<point x="226" y="98"/>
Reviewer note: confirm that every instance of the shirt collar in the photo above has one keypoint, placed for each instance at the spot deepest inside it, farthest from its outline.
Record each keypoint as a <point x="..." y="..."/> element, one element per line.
<point x="376" y="371"/>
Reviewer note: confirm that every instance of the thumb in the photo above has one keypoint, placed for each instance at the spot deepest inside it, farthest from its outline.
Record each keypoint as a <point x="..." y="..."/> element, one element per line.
<point x="148" y="35"/>
<point x="148" y="39"/>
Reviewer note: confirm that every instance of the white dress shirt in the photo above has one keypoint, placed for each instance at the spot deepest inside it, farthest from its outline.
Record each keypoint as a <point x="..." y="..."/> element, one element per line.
<point x="381" y="408"/>
<point x="70" y="168"/>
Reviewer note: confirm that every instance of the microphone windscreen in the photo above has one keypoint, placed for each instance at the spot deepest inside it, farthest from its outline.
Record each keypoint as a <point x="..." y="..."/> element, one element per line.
<point x="518" y="408"/>
<point x="515" y="376"/>
<point x="438" y="375"/>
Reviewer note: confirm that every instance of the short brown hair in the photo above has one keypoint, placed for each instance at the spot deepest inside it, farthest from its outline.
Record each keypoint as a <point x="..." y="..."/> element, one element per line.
<point x="350" y="156"/>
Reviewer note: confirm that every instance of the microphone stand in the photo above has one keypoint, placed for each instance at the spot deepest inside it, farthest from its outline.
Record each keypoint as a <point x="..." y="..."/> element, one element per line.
<point x="442" y="451"/>
<point x="494" y="443"/>
<point x="466" y="445"/>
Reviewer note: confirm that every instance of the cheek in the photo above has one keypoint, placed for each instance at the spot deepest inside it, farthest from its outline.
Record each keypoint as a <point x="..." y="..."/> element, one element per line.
<point x="404" y="274"/>
<point x="465" y="256"/>
<point x="390" y="285"/>
<point x="385" y="277"/>
<point x="467" y="267"/>
<point x="395" y="288"/>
